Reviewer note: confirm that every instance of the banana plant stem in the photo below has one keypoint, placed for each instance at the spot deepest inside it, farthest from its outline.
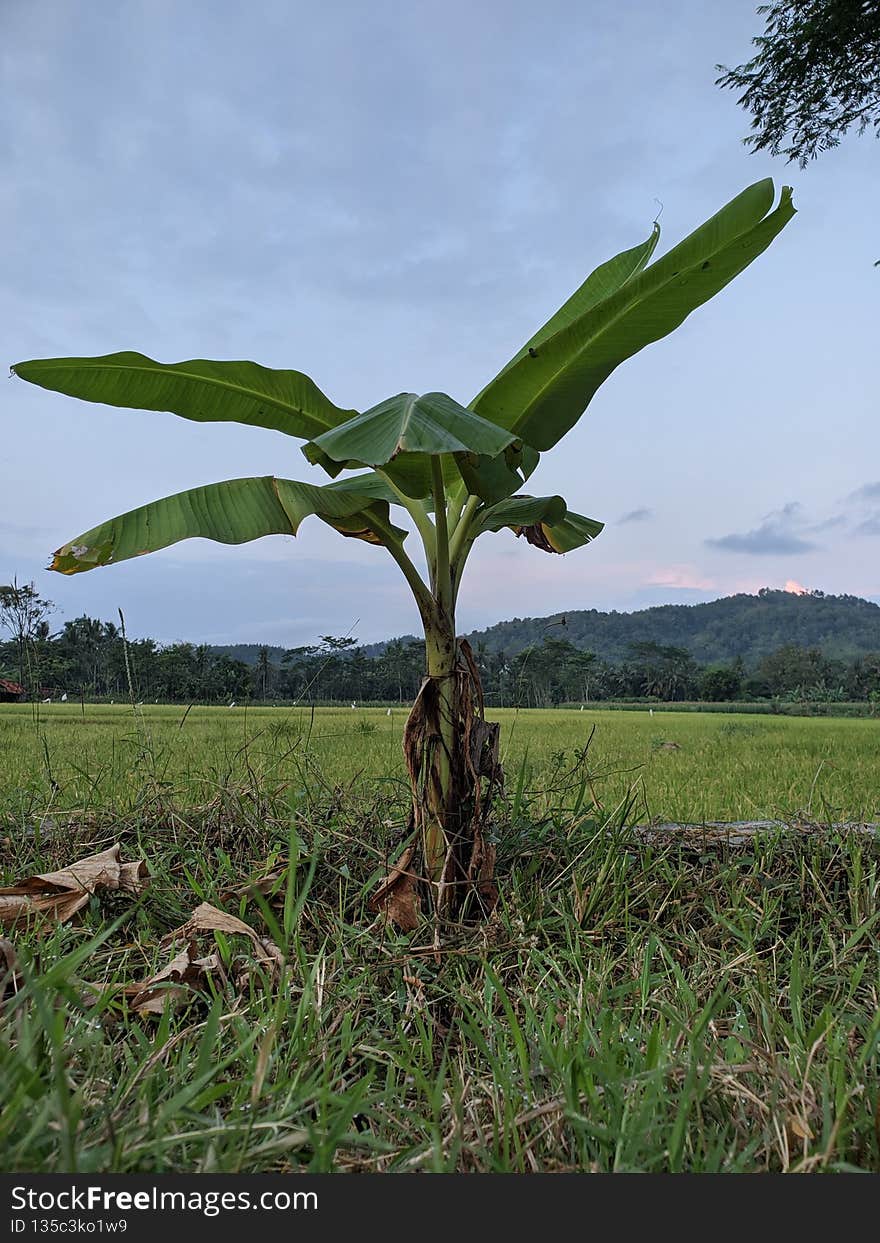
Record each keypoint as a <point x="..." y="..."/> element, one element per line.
<point x="459" y="541"/>
<point x="417" y="512"/>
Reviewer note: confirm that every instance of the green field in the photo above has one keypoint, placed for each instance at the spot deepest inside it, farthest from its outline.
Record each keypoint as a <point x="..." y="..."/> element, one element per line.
<point x="675" y="1002"/>
<point x="725" y="767"/>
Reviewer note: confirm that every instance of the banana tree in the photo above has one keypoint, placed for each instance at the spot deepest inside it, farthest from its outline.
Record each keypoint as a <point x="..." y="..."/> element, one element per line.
<point x="458" y="473"/>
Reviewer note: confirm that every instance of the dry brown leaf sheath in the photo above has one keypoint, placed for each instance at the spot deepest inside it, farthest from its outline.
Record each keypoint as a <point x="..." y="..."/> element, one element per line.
<point x="467" y="881"/>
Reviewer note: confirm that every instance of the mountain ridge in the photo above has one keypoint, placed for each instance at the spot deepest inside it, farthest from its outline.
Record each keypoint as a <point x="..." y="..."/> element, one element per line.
<point x="742" y="626"/>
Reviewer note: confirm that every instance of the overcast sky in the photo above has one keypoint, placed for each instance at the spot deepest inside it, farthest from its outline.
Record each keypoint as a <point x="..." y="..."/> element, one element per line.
<point x="392" y="196"/>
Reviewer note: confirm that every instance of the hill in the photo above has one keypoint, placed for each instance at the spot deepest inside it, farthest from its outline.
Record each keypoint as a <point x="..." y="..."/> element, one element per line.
<point x="745" y="626"/>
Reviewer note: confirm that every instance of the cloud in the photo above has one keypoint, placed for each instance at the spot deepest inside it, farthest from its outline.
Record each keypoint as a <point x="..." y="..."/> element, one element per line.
<point x="869" y="525"/>
<point x="867" y="492"/>
<point x="780" y="534"/>
<point x="681" y="577"/>
<point x="828" y="524"/>
<point x="867" y="502"/>
<point x="763" y="541"/>
<point x="795" y="588"/>
<point x="636" y="515"/>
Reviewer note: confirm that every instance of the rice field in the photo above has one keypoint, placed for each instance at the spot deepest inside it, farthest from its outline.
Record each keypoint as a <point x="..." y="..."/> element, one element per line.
<point x="671" y="766"/>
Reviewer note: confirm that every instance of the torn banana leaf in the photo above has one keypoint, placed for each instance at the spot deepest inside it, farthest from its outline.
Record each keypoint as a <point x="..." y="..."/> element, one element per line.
<point x="545" y="521"/>
<point x="233" y="512"/>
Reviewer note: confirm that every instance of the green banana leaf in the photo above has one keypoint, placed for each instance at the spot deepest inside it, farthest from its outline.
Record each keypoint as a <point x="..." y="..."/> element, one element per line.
<point x="371" y="484"/>
<point x="402" y="434"/>
<point x="493" y="479"/>
<point x="232" y="512"/>
<point x="410" y="472"/>
<point x="521" y="511"/>
<point x="542" y="394"/>
<point x="599" y="285"/>
<point x="574" y="531"/>
<point x="207" y="392"/>
<point x="431" y="424"/>
<point x="545" y="521"/>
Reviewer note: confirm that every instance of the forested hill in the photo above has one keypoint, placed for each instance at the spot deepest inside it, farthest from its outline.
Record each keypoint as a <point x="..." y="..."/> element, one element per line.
<point x="745" y="626"/>
<point x="749" y="627"/>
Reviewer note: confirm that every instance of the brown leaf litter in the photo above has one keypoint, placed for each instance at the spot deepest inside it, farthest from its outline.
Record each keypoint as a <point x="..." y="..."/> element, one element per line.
<point x="272" y="885"/>
<point x="190" y="970"/>
<point x="58" y="896"/>
<point x="55" y="897"/>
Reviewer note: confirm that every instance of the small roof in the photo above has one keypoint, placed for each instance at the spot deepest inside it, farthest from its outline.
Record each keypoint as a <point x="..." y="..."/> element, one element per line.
<point x="11" y="688"/>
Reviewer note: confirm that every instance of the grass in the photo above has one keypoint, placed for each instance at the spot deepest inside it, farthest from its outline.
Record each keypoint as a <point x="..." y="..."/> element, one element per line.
<point x="672" y="1002"/>
<point x="727" y="767"/>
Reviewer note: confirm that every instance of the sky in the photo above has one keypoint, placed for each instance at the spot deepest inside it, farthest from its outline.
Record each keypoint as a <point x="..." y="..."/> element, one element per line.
<point x="392" y="197"/>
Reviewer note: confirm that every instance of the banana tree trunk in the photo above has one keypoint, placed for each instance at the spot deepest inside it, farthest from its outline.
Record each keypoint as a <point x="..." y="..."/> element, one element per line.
<point x="451" y="751"/>
<point x="434" y="798"/>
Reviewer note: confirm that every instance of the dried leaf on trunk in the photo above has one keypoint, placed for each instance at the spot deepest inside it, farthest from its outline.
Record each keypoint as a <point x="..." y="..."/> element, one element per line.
<point x="456" y="794"/>
<point x="480" y="744"/>
<point x="57" y="896"/>
<point x="398" y="895"/>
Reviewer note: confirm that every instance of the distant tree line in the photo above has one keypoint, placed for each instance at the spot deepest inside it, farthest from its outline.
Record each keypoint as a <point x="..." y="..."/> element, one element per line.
<point x="555" y="672"/>
<point x="90" y="658"/>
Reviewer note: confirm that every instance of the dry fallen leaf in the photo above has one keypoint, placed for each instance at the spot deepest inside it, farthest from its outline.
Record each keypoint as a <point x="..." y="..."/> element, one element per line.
<point x="57" y="896"/>
<point x="272" y="886"/>
<point x="799" y="1127"/>
<point x="170" y="985"/>
<point x="190" y="968"/>
<point x="207" y="918"/>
